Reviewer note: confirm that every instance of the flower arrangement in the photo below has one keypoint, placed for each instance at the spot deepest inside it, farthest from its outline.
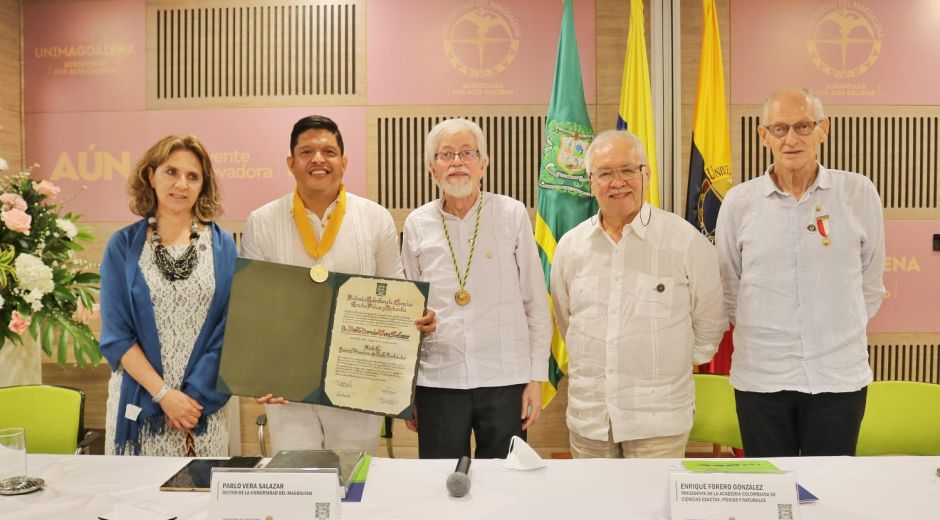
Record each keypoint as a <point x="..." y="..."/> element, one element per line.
<point x="44" y="288"/>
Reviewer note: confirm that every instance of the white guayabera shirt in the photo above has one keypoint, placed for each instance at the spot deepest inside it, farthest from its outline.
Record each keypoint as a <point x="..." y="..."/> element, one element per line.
<point x="635" y="316"/>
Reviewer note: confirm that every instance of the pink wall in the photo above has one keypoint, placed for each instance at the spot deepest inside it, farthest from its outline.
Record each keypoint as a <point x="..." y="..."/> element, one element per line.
<point x="911" y="278"/>
<point x="87" y="122"/>
<point x="423" y="53"/>
<point x="84" y="55"/>
<point x="890" y="50"/>
<point x="90" y="155"/>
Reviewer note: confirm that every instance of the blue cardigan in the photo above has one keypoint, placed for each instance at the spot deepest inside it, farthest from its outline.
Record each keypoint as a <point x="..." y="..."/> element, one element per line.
<point x="127" y="318"/>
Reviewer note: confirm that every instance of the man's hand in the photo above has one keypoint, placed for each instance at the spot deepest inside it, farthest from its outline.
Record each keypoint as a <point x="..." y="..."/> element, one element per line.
<point x="428" y="323"/>
<point x="270" y="399"/>
<point x="412" y="423"/>
<point x="182" y="412"/>
<point x="531" y="404"/>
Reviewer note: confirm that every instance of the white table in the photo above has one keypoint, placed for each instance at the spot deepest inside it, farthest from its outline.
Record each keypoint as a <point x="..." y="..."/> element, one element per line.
<point x="873" y="488"/>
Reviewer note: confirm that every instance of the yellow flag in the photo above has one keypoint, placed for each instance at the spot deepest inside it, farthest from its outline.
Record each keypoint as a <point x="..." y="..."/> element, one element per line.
<point x="636" y="101"/>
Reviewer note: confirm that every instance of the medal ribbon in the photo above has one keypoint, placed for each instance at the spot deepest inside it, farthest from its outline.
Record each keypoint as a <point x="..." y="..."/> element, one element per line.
<point x="473" y="242"/>
<point x="318" y="248"/>
<point x="821" y="225"/>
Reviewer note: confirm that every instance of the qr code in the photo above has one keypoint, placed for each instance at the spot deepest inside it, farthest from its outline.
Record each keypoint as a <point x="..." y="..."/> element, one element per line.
<point x="322" y="511"/>
<point x="784" y="512"/>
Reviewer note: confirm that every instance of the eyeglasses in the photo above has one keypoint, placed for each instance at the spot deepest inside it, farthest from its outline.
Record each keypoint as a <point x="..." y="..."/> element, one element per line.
<point x="465" y="156"/>
<point x="626" y="173"/>
<point x="803" y="128"/>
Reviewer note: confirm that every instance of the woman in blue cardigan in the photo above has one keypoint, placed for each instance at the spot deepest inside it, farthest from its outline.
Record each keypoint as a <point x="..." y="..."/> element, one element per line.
<point x="165" y="283"/>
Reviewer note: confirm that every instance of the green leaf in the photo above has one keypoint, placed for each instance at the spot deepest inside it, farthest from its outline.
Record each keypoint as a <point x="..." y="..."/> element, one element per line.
<point x="87" y="278"/>
<point x="63" y="337"/>
<point x="34" y="327"/>
<point x="64" y="296"/>
<point x="47" y="339"/>
<point x="85" y="297"/>
<point x="62" y="277"/>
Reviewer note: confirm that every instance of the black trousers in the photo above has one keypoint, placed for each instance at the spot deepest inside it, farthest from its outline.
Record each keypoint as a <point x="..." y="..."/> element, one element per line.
<point x="791" y="424"/>
<point x="446" y="418"/>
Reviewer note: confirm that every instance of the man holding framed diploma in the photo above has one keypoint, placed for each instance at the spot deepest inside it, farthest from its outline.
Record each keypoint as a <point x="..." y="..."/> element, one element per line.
<point x="325" y="230"/>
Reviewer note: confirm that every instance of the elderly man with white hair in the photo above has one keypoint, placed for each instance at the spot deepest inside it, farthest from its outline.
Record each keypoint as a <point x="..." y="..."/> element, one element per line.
<point x="481" y="372"/>
<point x="802" y="255"/>
<point x="638" y="300"/>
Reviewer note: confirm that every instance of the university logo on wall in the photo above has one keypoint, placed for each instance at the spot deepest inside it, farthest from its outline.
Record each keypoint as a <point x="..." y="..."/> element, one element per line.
<point x="844" y="44"/>
<point x="470" y="52"/>
<point x="868" y="52"/>
<point x="481" y="40"/>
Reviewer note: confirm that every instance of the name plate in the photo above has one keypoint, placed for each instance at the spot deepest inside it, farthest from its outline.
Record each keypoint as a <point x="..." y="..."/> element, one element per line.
<point x="742" y="496"/>
<point x="284" y="494"/>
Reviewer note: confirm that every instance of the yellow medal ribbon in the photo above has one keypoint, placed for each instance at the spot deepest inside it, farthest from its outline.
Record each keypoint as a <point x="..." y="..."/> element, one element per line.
<point x="318" y="248"/>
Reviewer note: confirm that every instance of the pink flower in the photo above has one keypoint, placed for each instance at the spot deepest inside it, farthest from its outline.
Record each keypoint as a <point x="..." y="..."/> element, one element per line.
<point x="12" y="201"/>
<point x="46" y="188"/>
<point x="19" y="324"/>
<point x="17" y="220"/>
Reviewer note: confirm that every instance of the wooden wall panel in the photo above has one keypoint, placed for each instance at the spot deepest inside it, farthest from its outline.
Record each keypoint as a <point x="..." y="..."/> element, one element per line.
<point x="251" y="53"/>
<point x="11" y="98"/>
<point x="905" y="357"/>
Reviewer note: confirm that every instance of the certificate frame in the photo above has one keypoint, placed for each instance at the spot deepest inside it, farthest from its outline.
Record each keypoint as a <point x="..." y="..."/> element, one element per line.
<point x="283" y="336"/>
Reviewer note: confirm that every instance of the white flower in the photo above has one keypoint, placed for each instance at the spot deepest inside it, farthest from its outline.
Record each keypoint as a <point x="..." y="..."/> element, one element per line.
<point x="2" y="301"/>
<point x="34" y="299"/>
<point x="67" y="226"/>
<point x="33" y="274"/>
<point x="3" y="165"/>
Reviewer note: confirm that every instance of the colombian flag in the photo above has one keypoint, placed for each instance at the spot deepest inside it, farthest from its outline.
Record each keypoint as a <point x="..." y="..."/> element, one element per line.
<point x="710" y="160"/>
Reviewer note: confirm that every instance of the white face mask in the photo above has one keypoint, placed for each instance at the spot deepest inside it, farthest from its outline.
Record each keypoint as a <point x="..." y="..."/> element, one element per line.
<point x="521" y="456"/>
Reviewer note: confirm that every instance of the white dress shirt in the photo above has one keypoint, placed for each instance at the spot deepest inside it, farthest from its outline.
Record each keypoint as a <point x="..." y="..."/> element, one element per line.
<point x="367" y="243"/>
<point x="800" y="308"/>
<point x="503" y="336"/>
<point x="635" y="316"/>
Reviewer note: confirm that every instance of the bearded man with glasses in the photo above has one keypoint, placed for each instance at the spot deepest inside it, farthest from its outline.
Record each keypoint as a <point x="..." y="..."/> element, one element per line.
<point x="482" y="371"/>
<point x="802" y="253"/>
<point x="637" y="298"/>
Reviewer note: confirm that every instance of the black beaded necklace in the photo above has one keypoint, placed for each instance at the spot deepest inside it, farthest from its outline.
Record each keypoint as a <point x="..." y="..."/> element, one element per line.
<point x="174" y="268"/>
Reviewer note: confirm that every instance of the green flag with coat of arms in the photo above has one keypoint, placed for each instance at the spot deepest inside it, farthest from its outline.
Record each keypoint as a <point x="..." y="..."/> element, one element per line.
<point x="564" y="191"/>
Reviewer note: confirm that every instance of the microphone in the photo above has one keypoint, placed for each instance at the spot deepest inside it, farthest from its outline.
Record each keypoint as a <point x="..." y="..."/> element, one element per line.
<point x="458" y="483"/>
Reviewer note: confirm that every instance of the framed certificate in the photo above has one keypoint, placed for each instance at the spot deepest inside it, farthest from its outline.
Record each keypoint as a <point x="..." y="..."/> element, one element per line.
<point x="348" y="342"/>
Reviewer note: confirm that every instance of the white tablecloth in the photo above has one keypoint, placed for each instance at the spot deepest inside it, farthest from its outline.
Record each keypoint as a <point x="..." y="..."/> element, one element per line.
<point x="874" y="488"/>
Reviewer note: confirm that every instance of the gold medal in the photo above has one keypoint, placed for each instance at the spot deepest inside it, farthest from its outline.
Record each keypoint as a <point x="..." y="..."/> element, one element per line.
<point x="826" y="242"/>
<point x="317" y="248"/>
<point x="319" y="273"/>
<point x="462" y="297"/>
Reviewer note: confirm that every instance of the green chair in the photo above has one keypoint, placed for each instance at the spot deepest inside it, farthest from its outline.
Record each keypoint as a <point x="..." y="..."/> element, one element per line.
<point x="716" y="419"/>
<point x="51" y="415"/>
<point x="901" y="418"/>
